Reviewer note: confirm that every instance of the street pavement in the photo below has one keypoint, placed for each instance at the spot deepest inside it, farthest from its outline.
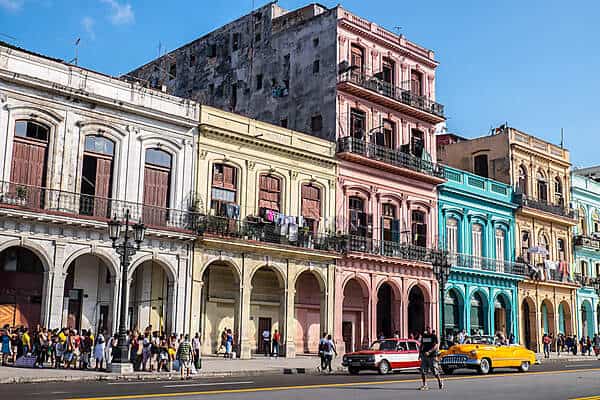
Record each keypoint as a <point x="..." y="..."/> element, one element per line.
<point x="557" y="380"/>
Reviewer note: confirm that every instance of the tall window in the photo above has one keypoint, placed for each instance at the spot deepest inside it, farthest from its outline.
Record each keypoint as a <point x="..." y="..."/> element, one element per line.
<point x="542" y="187"/>
<point x="584" y="269"/>
<point x="269" y="193"/>
<point x="582" y="226"/>
<point x="358" y="217"/>
<point x="224" y="190"/>
<point x="558" y="192"/>
<point x="477" y="243"/>
<point x="157" y="183"/>
<point x="385" y="137"/>
<point x="545" y="244"/>
<point x="357" y="60"/>
<point x="419" y="228"/>
<point x="311" y="206"/>
<point x="525" y="245"/>
<point x="96" y="176"/>
<point x="597" y="270"/>
<point x="480" y="162"/>
<point x="452" y="235"/>
<point x="29" y="158"/>
<point x="560" y="246"/>
<point x="390" y="225"/>
<point x="500" y="241"/>
<point x="522" y="184"/>
<point x="415" y="82"/>
<point x="358" y="121"/>
<point x="387" y="71"/>
<point x="596" y="221"/>
<point x="417" y="143"/>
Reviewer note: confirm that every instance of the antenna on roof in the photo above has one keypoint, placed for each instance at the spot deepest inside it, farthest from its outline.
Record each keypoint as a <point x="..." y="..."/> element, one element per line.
<point x="76" y="59"/>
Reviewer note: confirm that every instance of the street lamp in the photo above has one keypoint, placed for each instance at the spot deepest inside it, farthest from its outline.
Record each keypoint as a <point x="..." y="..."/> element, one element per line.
<point x="126" y="250"/>
<point x="441" y="270"/>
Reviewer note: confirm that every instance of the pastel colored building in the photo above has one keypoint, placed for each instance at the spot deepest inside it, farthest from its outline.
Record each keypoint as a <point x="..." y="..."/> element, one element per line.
<point x="540" y="174"/>
<point x="266" y="258"/>
<point x="585" y="195"/>
<point x="477" y="227"/>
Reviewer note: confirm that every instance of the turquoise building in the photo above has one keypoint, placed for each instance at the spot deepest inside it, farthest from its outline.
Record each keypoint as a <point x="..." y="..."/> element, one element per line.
<point x="585" y="195"/>
<point x="477" y="227"/>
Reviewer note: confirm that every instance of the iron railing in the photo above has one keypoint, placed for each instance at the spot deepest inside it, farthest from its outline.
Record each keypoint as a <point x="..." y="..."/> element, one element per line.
<point x="389" y="156"/>
<point x="403" y="95"/>
<point x="583" y="280"/>
<point x="587" y="241"/>
<point x="405" y="251"/>
<point x="556" y="209"/>
<point x="266" y="232"/>
<point x="60" y="202"/>
<point x="487" y="264"/>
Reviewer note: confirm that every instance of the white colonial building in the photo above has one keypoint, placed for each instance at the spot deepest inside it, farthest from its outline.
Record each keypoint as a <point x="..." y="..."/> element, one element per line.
<point x="77" y="148"/>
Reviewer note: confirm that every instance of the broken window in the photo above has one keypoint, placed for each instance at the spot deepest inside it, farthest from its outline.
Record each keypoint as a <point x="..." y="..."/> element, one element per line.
<point x="259" y="81"/>
<point x="235" y="42"/>
<point x="316" y="123"/>
<point x="173" y="71"/>
<point x="96" y="176"/>
<point x="316" y="66"/>
<point x="386" y="137"/>
<point x="419" y="229"/>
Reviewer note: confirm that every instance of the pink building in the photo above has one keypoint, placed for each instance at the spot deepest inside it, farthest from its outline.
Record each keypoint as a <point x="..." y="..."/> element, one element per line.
<point x="386" y="200"/>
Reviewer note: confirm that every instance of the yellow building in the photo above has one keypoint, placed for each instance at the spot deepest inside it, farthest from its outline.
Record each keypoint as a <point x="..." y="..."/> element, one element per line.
<point x="540" y="173"/>
<point x="266" y="259"/>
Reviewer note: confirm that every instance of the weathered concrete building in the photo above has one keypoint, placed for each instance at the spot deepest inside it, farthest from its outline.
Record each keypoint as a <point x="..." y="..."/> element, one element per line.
<point x="77" y="148"/>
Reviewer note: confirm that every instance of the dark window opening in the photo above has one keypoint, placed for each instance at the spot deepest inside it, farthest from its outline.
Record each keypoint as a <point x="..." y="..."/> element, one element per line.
<point x="235" y="42"/>
<point x="525" y="244"/>
<point x="558" y="192"/>
<point x="561" y="250"/>
<point x="390" y="226"/>
<point x="233" y="96"/>
<point x="522" y="184"/>
<point x="192" y="60"/>
<point x="316" y="66"/>
<point x="257" y="32"/>
<point x="316" y="123"/>
<point x="417" y="143"/>
<point x="211" y="89"/>
<point x="358" y="218"/>
<point x="286" y="59"/>
<point x="358" y="120"/>
<point x="31" y="130"/>
<point x="357" y="60"/>
<point x="212" y="50"/>
<point x="387" y="71"/>
<point x="419" y="229"/>
<point x="259" y="82"/>
<point x="284" y="123"/>
<point x="415" y="83"/>
<point x="542" y="188"/>
<point x="385" y="137"/>
<point x="173" y="71"/>
<point x="315" y="42"/>
<point x="481" y="165"/>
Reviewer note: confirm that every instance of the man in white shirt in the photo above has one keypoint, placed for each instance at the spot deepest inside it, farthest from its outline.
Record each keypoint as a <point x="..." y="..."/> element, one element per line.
<point x="196" y="350"/>
<point x="267" y="341"/>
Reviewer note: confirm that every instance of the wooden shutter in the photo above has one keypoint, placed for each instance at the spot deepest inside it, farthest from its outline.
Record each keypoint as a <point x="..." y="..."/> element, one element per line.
<point x="311" y="202"/>
<point x="28" y="168"/>
<point x="102" y="192"/>
<point x="228" y="177"/>
<point x="156" y="192"/>
<point x="415" y="83"/>
<point x="269" y="192"/>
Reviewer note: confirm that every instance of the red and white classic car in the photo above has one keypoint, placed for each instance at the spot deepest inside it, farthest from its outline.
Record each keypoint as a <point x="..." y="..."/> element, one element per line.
<point x="384" y="356"/>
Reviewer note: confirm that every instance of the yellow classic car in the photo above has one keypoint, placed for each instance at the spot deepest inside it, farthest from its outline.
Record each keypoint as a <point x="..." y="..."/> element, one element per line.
<point x="480" y="353"/>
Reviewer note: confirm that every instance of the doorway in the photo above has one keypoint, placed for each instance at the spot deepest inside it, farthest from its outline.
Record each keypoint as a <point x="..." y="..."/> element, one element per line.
<point x="264" y="324"/>
<point x="347" y="329"/>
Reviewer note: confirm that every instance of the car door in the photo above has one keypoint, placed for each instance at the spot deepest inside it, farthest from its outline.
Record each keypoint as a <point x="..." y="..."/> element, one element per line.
<point x="413" y="354"/>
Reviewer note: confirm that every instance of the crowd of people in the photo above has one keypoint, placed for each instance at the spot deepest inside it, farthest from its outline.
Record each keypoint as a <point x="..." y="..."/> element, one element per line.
<point x="69" y="349"/>
<point x="586" y="345"/>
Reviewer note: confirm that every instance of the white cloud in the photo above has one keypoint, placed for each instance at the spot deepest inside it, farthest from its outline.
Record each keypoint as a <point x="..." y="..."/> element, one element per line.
<point x="11" y="5"/>
<point x="88" y="26"/>
<point x="122" y="13"/>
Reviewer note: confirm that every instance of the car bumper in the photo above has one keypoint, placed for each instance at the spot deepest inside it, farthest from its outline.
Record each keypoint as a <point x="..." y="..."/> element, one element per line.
<point x="468" y="363"/>
<point x="362" y="364"/>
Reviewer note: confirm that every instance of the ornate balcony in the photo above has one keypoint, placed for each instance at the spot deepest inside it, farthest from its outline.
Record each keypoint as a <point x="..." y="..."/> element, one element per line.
<point x="57" y="203"/>
<point x="584" y="281"/>
<point x="381" y="154"/>
<point x="555" y="209"/>
<point x="487" y="264"/>
<point x="252" y="229"/>
<point x="399" y="98"/>
<point x="587" y="241"/>
<point x="402" y="251"/>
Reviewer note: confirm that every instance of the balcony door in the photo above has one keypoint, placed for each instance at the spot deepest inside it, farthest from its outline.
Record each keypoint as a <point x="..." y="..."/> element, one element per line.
<point x="357" y="61"/>
<point x="29" y="158"/>
<point x="419" y="229"/>
<point x="96" y="176"/>
<point x="157" y="185"/>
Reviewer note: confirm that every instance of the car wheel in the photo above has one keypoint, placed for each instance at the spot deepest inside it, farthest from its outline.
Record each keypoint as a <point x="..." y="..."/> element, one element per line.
<point x="353" y="370"/>
<point x="447" y="371"/>
<point x="484" y="367"/>
<point x="384" y="367"/>
<point x="524" y="366"/>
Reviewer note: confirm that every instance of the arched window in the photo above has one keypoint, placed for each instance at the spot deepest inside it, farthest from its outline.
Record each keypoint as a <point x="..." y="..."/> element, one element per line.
<point x="224" y="191"/>
<point x="419" y="228"/>
<point x="522" y="184"/>
<point x="390" y="225"/>
<point x="584" y="269"/>
<point x="29" y="159"/>
<point x="477" y="244"/>
<point x="477" y="315"/>
<point x="269" y="194"/>
<point x="96" y="176"/>
<point x="452" y="235"/>
<point x="558" y="192"/>
<point x="542" y="187"/>
<point x="500" y="244"/>
<point x="311" y="205"/>
<point x="582" y="225"/>
<point x="157" y="186"/>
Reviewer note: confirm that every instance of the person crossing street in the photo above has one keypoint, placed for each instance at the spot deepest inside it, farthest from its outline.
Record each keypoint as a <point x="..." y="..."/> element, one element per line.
<point x="428" y="355"/>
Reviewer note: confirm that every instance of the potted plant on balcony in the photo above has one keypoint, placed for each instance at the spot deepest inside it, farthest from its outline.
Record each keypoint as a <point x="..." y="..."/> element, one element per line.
<point x="21" y="195"/>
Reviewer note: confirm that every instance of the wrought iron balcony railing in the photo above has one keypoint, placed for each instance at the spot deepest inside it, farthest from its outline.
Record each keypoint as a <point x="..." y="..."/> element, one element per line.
<point x="487" y="264"/>
<point x="525" y="201"/>
<point x="268" y="233"/>
<point x="59" y="202"/>
<point x="389" y="156"/>
<point x="587" y="241"/>
<point x="584" y="280"/>
<point x="404" y="251"/>
<point x="402" y="95"/>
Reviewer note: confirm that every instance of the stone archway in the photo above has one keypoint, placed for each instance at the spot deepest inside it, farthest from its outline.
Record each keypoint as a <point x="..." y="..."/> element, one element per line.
<point x="220" y="305"/>
<point x="547" y="317"/>
<point x="502" y="315"/>
<point x="267" y="307"/>
<point x="416" y="311"/>
<point x="587" y="319"/>
<point x="529" y="324"/>
<point x="478" y="314"/>
<point x="453" y="311"/>
<point x="21" y="287"/>
<point x="565" y="322"/>
<point x="355" y="315"/>
<point x="388" y="310"/>
<point x="309" y="311"/>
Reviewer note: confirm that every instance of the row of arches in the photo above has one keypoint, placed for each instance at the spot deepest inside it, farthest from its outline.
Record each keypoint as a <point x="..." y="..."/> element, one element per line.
<point x="547" y="319"/>
<point x="542" y="186"/>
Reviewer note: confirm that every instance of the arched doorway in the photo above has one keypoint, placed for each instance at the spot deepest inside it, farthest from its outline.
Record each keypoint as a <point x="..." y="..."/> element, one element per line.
<point x="478" y="314"/>
<point x="267" y="307"/>
<point x="587" y="319"/>
<point x="309" y="312"/>
<point x="220" y="305"/>
<point x="502" y="315"/>
<point x="21" y="287"/>
<point x="416" y="311"/>
<point x="150" y="298"/>
<point x="354" y="315"/>
<point x="89" y="295"/>
<point x="547" y="316"/>
<point x="564" y="318"/>
<point x="388" y="322"/>
<point x="453" y="306"/>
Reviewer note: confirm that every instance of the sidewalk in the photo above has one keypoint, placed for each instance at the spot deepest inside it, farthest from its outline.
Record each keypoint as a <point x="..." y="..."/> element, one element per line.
<point x="565" y="357"/>
<point x="211" y="367"/>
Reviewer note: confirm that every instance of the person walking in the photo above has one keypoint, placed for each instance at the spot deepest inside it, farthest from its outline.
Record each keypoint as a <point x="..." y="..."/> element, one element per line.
<point x="276" y="341"/>
<point x="329" y="351"/>
<point x="546" y="340"/>
<point x="266" y="335"/>
<point x="428" y="354"/>
<point x="5" y="340"/>
<point x="228" y="344"/>
<point x="184" y="356"/>
<point x="196" y="350"/>
<point x="223" y="344"/>
<point x="99" y="351"/>
<point x="322" y="350"/>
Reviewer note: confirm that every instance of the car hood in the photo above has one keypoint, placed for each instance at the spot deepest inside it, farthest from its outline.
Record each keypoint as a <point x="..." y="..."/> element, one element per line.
<point x="467" y="348"/>
<point x="363" y="353"/>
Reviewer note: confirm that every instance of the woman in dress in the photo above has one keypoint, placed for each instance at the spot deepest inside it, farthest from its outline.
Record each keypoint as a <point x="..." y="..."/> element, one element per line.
<point x="6" y="350"/>
<point x="99" y="348"/>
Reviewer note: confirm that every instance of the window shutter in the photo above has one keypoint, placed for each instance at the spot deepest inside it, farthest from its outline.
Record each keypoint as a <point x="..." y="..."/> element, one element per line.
<point x="102" y="192"/>
<point x="396" y="230"/>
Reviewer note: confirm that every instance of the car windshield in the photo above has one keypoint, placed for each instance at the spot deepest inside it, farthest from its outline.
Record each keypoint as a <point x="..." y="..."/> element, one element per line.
<point x="384" y="345"/>
<point x="480" y="340"/>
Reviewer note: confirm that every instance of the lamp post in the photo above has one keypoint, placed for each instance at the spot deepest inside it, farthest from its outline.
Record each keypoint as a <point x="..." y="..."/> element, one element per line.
<point x="126" y="250"/>
<point x="441" y="270"/>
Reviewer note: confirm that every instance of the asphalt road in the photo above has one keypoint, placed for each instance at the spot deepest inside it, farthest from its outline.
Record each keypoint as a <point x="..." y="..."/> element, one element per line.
<point x="570" y="380"/>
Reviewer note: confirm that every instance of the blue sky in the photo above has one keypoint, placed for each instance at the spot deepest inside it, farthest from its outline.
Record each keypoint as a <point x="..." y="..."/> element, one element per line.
<point x="532" y="63"/>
